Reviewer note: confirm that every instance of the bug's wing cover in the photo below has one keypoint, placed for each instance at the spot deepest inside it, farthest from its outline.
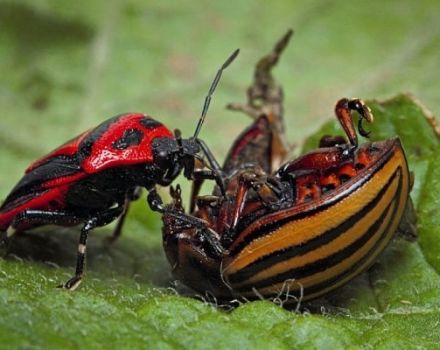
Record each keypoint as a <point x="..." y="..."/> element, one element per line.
<point x="55" y="172"/>
<point x="44" y="182"/>
<point x="252" y="146"/>
<point x="120" y="141"/>
<point x="70" y="148"/>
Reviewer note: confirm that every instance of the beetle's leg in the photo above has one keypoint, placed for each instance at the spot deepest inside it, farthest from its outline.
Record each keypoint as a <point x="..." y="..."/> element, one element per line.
<point x="101" y="219"/>
<point x="407" y="228"/>
<point x="131" y="196"/>
<point x="199" y="176"/>
<point x="244" y="184"/>
<point x="266" y="191"/>
<point x="364" y="111"/>
<point x="331" y="141"/>
<point x="265" y="93"/>
<point x="156" y="204"/>
<point x="343" y="113"/>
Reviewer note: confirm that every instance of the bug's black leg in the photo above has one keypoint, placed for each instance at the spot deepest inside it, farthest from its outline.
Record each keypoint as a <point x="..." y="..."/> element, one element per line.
<point x="156" y="204"/>
<point x="68" y="218"/>
<point x="101" y="219"/>
<point x="40" y="217"/>
<point x="217" y="173"/>
<point x="209" y="156"/>
<point x="75" y="281"/>
<point x="131" y="196"/>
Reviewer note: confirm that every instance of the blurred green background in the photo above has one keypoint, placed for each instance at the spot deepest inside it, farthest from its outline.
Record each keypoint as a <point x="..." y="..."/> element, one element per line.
<point x="67" y="66"/>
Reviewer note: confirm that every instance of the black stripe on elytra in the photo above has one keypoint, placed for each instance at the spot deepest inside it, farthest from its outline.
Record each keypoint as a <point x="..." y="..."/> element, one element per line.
<point x="321" y="264"/>
<point x="332" y="281"/>
<point x="312" y="270"/>
<point x="131" y="137"/>
<point x="150" y="123"/>
<point x="33" y="182"/>
<point x="269" y="260"/>
<point x="85" y="147"/>
<point x="272" y="226"/>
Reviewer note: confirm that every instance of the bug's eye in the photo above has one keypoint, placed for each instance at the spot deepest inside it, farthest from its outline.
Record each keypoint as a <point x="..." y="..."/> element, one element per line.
<point x="164" y="150"/>
<point x="162" y="157"/>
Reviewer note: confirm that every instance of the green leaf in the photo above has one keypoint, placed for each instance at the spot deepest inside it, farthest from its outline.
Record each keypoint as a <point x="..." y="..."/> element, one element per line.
<point x="67" y="66"/>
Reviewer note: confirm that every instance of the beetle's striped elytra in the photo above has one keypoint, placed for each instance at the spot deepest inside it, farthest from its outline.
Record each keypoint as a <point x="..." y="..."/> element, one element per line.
<point x="319" y="246"/>
<point x="305" y="245"/>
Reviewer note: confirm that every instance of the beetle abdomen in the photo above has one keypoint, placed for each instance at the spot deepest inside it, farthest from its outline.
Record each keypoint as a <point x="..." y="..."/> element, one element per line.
<point x="319" y="245"/>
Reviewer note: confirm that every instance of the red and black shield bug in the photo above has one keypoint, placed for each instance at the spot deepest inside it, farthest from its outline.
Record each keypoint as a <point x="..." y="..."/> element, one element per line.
<point x="302" y="229"/>
<point x="92" y="178"/>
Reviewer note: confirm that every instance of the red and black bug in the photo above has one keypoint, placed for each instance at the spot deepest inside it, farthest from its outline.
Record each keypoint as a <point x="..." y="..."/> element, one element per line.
<point x="92" y="178"/>
<point x="301" y="229"/>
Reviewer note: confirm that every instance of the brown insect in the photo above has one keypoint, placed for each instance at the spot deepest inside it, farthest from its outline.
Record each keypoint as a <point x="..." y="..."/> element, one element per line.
<point x="302" y="229"/>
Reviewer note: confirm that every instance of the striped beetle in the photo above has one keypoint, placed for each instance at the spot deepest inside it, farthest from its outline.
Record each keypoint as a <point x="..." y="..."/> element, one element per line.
<point x="302" y="229"/>
<point x="308" y="228"/>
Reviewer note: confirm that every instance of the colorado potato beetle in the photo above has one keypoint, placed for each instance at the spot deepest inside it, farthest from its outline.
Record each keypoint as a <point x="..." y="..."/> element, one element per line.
<point x="302" y="229"/>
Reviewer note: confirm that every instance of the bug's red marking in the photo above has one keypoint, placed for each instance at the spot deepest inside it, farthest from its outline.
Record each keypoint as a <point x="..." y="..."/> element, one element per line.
<point x="104" y="156"/>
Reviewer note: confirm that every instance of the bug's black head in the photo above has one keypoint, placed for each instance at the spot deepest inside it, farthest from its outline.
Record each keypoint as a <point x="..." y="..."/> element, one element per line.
<point x="171" y="155"/>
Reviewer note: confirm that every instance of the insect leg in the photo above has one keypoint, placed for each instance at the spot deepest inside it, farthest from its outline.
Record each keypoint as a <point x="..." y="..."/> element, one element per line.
<point x="33" y="217"/>
<point x="30" y="217"/>
<point x="101" y="219"/>
<point x="217" y="172"/>
<point x="199" y="176"/>
<point x="407" y="228"/>
<point x="331" y="141"/>
<point x="131" y="196"/>
<point x="156" y="204"/>
<point x="343" y="112"/>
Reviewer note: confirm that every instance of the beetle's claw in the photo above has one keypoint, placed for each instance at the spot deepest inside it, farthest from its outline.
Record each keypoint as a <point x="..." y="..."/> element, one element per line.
<point x="361" y="129"/>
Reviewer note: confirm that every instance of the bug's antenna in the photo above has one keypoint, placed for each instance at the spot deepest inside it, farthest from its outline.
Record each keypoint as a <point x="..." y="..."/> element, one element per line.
<point x="211" y="91"/>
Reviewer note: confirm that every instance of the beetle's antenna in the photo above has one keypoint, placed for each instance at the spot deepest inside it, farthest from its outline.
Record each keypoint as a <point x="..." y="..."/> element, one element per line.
<point x="211" y="91"/>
